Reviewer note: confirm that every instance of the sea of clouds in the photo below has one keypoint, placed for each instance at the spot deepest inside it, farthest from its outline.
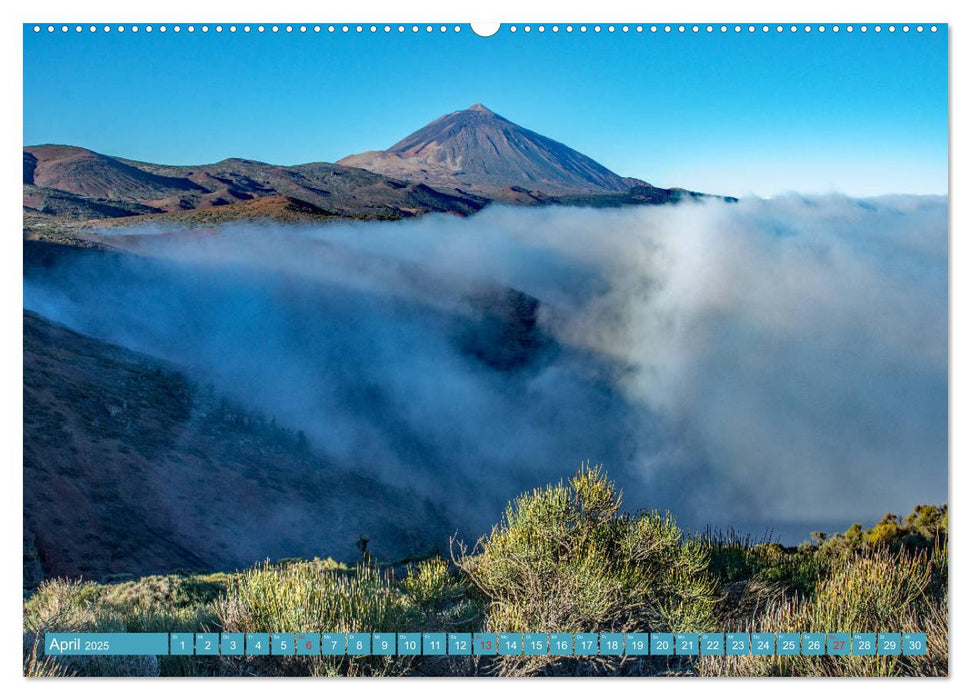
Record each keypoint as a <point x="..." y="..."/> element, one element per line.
<point x="770" y="363"/>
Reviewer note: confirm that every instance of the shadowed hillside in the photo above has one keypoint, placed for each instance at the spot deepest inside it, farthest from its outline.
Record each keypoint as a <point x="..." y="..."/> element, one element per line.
<point x="128" y="467"/>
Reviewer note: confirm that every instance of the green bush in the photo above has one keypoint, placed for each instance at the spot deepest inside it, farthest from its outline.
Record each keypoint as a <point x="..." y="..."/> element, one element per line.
<point x="60" y="605"/>
<point x="306" y="597"/>
<point x="564" y="559"/>
<point x="430" y="583"/>
<point x="924" y="528"/>
<point x="877" y="590"/>
<point x="441" y="598"/>
<point x="315" y="597"/>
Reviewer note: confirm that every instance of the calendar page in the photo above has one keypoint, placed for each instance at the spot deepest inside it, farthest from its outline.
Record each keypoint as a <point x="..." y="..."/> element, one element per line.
<point x="524" y="349"/>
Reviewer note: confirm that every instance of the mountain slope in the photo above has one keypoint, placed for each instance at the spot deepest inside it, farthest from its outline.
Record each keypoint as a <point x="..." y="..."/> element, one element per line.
<point x="54" y="202"/>
<point x="130" y="467"/>
<point x="476" y="150"/>
<point x="89" y="174"/>
<point x="77" y="183"/>
<point x="457" y="164"/>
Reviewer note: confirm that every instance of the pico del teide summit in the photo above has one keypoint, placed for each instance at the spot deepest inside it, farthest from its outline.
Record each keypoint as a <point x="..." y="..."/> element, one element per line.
<point x="478" y="151"/>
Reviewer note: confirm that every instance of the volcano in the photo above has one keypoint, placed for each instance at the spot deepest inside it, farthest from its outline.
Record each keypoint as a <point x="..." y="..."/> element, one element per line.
<point x="478" y="151"/>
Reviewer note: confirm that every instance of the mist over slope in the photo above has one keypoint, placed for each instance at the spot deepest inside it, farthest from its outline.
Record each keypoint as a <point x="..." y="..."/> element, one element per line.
<point x="130" y="468"/>
<point x="772" y="361"/>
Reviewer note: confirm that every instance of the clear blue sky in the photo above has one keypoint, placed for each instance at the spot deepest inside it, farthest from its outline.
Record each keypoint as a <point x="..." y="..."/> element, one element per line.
<point x="731" y="113"/>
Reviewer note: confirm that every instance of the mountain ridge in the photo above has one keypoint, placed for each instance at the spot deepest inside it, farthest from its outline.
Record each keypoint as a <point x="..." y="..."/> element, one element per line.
<point x="83" y="182"/>
<point x="457" y="164"/>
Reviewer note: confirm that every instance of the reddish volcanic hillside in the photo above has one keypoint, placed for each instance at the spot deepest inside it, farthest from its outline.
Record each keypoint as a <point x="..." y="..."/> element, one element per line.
<point x="477" y="150"/>
<point x="77" y="183"/>
<point x="89" y="174"/>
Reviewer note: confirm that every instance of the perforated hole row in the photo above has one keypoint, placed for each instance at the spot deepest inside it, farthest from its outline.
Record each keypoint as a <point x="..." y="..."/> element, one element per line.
<point x="513" y="28"/>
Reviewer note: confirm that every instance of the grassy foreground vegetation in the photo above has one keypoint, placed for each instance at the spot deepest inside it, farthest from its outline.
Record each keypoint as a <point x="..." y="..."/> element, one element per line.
<point x="563" y="559"/>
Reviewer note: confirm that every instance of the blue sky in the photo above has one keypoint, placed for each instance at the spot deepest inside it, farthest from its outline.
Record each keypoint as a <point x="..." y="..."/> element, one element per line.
<point x="863" y="114"/>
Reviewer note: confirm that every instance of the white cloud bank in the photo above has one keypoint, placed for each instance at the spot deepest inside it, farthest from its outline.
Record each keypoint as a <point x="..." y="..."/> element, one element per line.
<point x="769" y="362"/>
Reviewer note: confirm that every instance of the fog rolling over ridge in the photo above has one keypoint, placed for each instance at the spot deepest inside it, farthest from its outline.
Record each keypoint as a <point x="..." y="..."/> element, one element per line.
<point x="770" y="362"/>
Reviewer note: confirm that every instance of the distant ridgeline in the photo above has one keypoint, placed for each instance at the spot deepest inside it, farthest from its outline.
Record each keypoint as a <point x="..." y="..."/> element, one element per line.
<point x="457" y="164"/>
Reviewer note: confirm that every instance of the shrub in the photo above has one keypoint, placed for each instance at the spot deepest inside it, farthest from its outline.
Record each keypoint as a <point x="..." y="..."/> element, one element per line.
<point x="440" y="598"/>
<point x="37" y="665"/>
<point x="737" y="561"/>
<point x="564" y="559"/>
<point x="429" y="583"/>
<point x="312" y="597"/>
<point x="924" y="528"/>
<point x="871" y="591"/>
<point x="304" y="597"/>
<point x="60" y="605"/>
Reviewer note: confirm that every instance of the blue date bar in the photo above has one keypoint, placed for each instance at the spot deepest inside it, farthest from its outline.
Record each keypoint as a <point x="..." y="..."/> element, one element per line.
<point x="484" y="644"/>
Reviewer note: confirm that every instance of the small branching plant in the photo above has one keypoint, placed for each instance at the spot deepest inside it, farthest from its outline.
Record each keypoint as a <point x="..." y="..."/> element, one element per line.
<point x="565" y="559"/>
<point x="874" y="590"/>
<point x="314" y="597"/>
